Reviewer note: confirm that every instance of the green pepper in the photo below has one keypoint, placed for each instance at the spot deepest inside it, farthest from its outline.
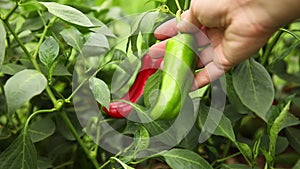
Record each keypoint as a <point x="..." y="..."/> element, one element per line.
<point x="178" y="74"/>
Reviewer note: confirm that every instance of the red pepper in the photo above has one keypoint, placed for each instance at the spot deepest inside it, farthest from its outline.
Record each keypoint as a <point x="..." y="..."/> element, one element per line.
<point x="119" y="109"/>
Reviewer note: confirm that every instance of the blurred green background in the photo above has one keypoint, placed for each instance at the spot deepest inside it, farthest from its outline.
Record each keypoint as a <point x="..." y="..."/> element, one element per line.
<point x="129" y="6"/>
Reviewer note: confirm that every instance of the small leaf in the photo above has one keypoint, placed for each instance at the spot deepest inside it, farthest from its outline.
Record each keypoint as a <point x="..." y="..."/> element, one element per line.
<point x="73" y="38"/>
<point x="22" y="87"/>
<point x="275" y="128"/>
<point x="12" y="68"/>
<point x="20" y="154"/>
<point x="68" y="14"/>
<point x="140" y="143"/>
<point x="61" y="70"/>
<point x="237" y="166"/>
<point x="48" y="51"/>
<point x="2" y="43"/>
<point x="256" y="147"/>
<point x="41" y="129"/>
<point x="124" y="165"/>
<point x="213" y="121"/>
<point x="44" y="163"/>
<point x="293" y="135"/>
<point x="245" y="150"/>
<point x="182" y="158"/>
<point x="96" y="45"/>
<point x="254" y="87"/>
<point x="141" y="139"/>
<point x="147" y="27"/>
<point x="101" y="91"/>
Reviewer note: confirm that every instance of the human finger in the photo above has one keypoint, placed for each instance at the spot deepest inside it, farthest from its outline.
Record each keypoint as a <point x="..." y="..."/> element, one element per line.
<point x="157" y="50"/>
<point x="205" y="56"/>
<point x="188" y="23"/>
<point x="166" y="30"/>
<point x="208" y="74"/>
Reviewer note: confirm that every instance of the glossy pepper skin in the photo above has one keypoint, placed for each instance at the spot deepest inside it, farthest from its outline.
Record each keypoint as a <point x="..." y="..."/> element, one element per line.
<point x="120" y="109"/>
<point x="178" y="74"/>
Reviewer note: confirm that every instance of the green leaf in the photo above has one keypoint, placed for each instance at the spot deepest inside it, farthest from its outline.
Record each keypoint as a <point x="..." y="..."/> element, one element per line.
<point x="73" y="38"/>
<point x="280" y="68"/>
<point x="293" y="135"/>
<point x="182" y="158"/>
<point x="245" y="150"/>
<point x="290" y="120"/>
<point x="124" y="165"/>
<point x="297" y="165"/>
<point x="61" y="70"/>
<point x="96" y="45"/>
<point x="237" y="166"/>
<point x="41" y="129"/>
<point x="2" y="43"/>
<point x="215" y="122"/>
<point x="282" y="144"/>
<point x="256" y="147"/>
<point x="44" y="163"/>
<point x="12" y="68"/>
<point x="68" y="14"/>
<point x="22" y="87"/>
<point x="124" y="76"/>
<point x="161" y="1"/>
<point x="147" y="27"/>
<point x="141" y="139"/>
<point x="20" y="154"/>
<point x="254" y="87"/>
<point x="276" y="126"/>
<point x="101" y="91"/>
<point x="64" y="129"/>
<point x="233" y="98"/>
<point x="48" y="51"/>
<point x="134" y="32"/>
<point x="280" y="55"/>
<point x="140" y="143"/>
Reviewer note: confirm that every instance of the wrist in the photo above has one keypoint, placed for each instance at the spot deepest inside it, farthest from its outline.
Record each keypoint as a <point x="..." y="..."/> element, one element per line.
<point x="281" y="12"/>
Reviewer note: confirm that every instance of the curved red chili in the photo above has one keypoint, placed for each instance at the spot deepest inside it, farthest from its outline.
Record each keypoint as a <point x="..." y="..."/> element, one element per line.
<point x="120" y="109"/>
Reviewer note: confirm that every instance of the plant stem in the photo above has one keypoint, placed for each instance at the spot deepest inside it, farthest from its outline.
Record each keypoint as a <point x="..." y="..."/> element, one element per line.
<point x="11" y="11"/>
<point x="64" y="164"/>
<point x="186" y="5"/>
<point x="178" y="5"/>
<point x="226" y="158"/>
<point x="269" y="48"/>
<point x="86" y="79"/>
<point x="291" y="33"/>
<point x="30" y="57"/>
<point x="34" y="114"/>
<point x="40" y="42"/>
<point x="95" y="150"/>
<point x="77" y="137"/>
<point x="105" y="164"/>
<point x="27" y="53"/>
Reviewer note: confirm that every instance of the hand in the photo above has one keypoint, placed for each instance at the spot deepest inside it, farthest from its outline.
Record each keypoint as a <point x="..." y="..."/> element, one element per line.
<point x="235" y="30"/>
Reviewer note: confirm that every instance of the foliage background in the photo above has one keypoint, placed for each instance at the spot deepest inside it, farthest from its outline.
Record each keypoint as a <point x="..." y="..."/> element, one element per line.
<point x="39" y="128"/>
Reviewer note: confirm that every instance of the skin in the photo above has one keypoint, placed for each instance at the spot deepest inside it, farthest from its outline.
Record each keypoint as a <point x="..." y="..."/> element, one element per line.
<point x="235" y="29"/>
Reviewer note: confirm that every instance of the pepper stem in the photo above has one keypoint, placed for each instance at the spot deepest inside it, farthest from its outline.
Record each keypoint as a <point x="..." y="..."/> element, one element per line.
<point x="178" y="5"/>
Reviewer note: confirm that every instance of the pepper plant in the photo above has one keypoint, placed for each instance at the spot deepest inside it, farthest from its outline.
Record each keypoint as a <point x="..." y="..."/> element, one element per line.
<point x="64" y="65"/>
